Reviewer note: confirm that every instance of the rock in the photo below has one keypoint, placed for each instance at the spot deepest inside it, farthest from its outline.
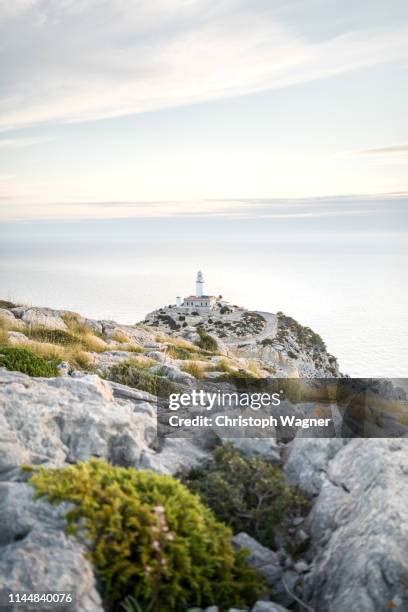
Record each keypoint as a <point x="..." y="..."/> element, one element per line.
<point x="64" y="368"/>
<point x="308" y="461"/>
<point x="155" y="346"/>
<point x="16" y="338"/>
<point x="36" y="554"/>
<point x="106" y="360"/>
<point x="260" y="557"/>
<point x="42" y="317"/>
<point x="136" y="395"/>
<point x="284" y="591"/>
<point x="301" y="567"/>
<point x="7" y="316"/>
<point x="268" y="606"/>
<point x="173" y="374"/>
<point x="359" y="529"/>
<point x="157" y="356"/>
<point x="176" y="455"/>
<point x="95" y="326"/>
<point x="60" y="420"/>
<point x="267" y="448"/>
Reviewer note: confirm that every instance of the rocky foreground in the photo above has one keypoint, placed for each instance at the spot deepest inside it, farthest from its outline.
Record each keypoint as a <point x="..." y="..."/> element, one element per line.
<point x="348" y="552"/>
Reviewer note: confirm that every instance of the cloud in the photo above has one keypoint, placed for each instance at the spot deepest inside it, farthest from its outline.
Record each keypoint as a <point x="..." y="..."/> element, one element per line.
<point x="17" y="143"/>
<point x="394" y="150"/>
<point x="78" y="61"/>
<point x="347" y="206"/>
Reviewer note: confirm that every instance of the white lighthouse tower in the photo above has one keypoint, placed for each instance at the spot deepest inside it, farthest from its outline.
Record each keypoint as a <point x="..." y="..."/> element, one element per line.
<point x="199" y="284"/>
<point x="199" y="301"/>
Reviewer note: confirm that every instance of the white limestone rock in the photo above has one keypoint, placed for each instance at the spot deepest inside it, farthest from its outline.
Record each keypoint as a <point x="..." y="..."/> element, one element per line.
<point x="308" y="461"/>
<point x="359" y="530"/>
<point x="177" y="454"/>
<point x="42" y="317"/>
<point x="60" y="420"/>
<point x="15" y="338"/>
<point x="37" y="556"/>
<point x="260" y="557"/>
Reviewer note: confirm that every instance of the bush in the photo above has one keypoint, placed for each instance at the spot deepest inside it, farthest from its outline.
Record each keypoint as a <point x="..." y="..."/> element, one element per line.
<point x="23" y="360"/>
<point x="131" y="375"/>
<point x="249" y="494"/>
<point x="150" y="539"/>
<point x="167" y="320"/>
<point x="178" y="352"/>
<point x="6" y="304"/>
<point x="53" y="336"/>
<point x="206" y="342"/>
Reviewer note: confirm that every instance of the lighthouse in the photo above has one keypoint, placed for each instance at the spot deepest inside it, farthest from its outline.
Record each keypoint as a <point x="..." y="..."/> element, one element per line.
<point x="199" y="301"/>
<point x="199" y="284"/>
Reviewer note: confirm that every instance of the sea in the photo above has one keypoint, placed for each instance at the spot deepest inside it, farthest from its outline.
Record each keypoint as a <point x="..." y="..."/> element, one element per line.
<point x="346" y="281"/>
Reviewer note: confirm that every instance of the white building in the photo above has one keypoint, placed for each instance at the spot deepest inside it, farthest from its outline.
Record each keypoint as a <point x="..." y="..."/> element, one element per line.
<point x="199" y="300"/>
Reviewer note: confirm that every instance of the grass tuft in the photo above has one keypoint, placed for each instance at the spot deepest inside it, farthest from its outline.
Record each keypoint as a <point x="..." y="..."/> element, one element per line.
<point x="194" y="368"/>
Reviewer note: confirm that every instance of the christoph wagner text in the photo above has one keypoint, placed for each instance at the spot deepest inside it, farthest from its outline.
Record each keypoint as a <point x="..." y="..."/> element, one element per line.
<point x="204" y="399"/>
<point x="223" y="420"/>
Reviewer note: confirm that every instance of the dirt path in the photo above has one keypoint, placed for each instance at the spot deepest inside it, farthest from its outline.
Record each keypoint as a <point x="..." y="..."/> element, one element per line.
<point x="269" y="331"/>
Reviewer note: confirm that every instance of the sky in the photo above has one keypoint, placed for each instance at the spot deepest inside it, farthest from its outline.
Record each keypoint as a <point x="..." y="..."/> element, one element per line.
<point x="161" y="108"/>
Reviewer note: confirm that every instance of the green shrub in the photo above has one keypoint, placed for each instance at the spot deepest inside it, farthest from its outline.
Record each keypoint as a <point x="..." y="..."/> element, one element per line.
<point x="23" y="360"/>
<point x="206" y="341"/>
<point x="178" y="352"/>
<point x="54" y="336"/>
<point x="6" y="304"/>
<point x="242" y="379"/>
<point x="133" y="376"/>
<point x="151" y="540"/>
<point x="249" y="494"/>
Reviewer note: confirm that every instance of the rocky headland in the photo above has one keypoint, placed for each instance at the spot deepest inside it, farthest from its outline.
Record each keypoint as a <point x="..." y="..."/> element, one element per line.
<point x="332" y="538"/>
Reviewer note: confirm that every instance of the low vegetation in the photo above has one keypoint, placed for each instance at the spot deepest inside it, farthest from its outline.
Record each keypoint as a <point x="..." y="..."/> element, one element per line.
<point x="206" y="342"/>
<point x="249" y="494"/>
<point x="52" y="336"/>
<point x="178" y="352"/>
<point x="134" y="375"/>
<point x="195" y="368"/>
<point x="305" y="337"/>
<point x="177" y="342"/>
<point x="20" y="359"/>
<point x="155" y="545"/>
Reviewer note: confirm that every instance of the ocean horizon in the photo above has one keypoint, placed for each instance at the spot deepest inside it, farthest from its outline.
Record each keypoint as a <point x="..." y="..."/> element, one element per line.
<point x="347" y="285"/>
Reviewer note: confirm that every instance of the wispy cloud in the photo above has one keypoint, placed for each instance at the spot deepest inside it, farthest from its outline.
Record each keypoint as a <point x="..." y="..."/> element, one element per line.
<point x="393" y="150"/>
<point x="78" y="61"/>
<point x="347" y="206"/>
<point x="17" y="143"/>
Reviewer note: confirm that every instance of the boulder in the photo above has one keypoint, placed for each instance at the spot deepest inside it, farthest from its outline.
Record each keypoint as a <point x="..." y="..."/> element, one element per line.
<point x="95" y="326"/>
<point x="106" y="360"/>
<point x="7" y="316"/>
<point x="267" y="448"/>
<point x="359" y="530"/>
<point x="308" y="460"/>
<point x="174" y="374"/>
<point x="37" y="556"/>
<point x="177" y="454"/>
<point x="157" y="356"/>
<point x="260" y="557"/>
<point x="43" y="317"/>
<point x="60" y="420"/>
<point x="268" y="606"/>
<point x="16" y="338"/>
